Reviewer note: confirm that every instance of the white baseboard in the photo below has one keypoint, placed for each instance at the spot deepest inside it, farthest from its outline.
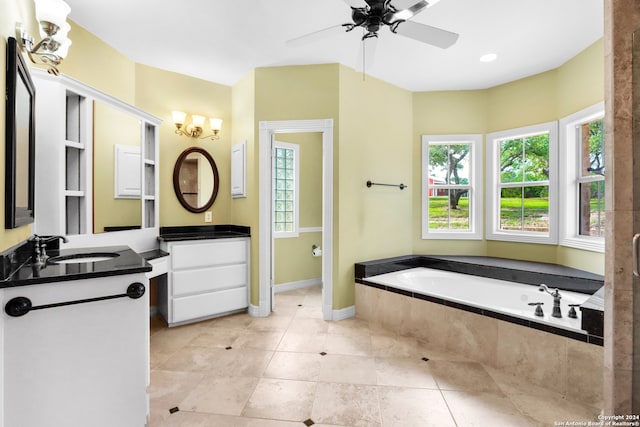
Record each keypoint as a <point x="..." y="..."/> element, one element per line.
<point x="300" y="284"/>
<point x="254" y="311"/>
<point x="344" y="313"/>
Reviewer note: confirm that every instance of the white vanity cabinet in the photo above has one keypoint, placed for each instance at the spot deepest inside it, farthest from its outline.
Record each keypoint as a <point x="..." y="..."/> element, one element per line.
<point x="76" y="365"/>
<point x="207" y="278"/>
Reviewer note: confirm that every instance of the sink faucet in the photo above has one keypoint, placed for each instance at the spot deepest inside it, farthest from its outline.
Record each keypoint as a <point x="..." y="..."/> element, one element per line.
<point x="40" y="247"/>
<point x="556" y="299"/>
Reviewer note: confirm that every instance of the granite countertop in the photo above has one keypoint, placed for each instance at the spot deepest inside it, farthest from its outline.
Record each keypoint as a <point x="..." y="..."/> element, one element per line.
<point x="527" y="272"/>
<point x="202" y="232"/>
<point x="25" y="273"/>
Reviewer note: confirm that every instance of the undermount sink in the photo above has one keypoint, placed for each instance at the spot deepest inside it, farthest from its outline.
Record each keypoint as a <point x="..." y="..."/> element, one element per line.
<point x="83" y="257"/>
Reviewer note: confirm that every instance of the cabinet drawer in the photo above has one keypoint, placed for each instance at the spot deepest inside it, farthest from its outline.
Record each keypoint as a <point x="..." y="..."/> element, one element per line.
<point x="196" y="306"/>
<point x="209" y="279"/>
<point x="203" y="254"/>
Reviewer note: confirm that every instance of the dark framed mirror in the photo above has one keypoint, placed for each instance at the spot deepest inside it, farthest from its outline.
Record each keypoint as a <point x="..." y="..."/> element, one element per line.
<point x="195" y="179"/>
<point x="19" y="140"/>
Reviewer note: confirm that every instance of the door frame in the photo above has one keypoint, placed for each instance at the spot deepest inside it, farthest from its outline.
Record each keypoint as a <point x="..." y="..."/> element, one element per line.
<point x="267" y="129"/>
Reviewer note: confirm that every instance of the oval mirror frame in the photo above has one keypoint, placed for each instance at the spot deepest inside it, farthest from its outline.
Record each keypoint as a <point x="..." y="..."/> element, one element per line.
<point x="176" y="180"/>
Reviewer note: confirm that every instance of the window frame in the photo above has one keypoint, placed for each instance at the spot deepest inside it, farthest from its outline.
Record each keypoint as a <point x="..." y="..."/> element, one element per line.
<point x="493" y="140"/>
<point x="475" y="231"/>
<point x="296" y="188"/>
<point x="570" y="157"/>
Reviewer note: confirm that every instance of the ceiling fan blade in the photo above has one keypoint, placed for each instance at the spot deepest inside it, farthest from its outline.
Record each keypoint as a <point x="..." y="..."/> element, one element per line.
<point x="366" y="54"/>
<point x="316" y="36"/>
<point x="406" y="4"/>
<point x="406" y="11"/>
<point x="427" y="34"/>
<point x="356" y="3"/>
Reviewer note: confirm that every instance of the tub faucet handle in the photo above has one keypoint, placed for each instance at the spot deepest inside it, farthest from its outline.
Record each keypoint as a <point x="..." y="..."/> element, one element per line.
<point x="572" y="311"/>
<point x="538" y="311"/>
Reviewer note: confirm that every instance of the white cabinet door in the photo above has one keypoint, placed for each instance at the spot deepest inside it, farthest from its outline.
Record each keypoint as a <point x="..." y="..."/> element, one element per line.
<point x="239" y="169"/>
<point x="77" y="365"/>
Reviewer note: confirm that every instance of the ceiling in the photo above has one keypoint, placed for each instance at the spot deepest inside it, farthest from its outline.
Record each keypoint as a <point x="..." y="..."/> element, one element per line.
<point x="222" y="40"/>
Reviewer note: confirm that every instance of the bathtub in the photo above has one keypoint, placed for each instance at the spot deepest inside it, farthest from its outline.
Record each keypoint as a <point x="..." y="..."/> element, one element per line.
<point x="485" y="294"/>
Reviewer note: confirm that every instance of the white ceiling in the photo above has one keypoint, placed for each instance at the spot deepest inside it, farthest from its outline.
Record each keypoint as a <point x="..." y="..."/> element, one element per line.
<point x="222" y="40"/>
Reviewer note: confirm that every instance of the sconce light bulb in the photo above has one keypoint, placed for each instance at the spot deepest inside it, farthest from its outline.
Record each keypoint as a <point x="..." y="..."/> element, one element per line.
<point x="178" y="118"/>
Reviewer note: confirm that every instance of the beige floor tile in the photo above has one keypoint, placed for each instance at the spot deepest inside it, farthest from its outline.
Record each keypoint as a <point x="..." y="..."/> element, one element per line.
<point x="216" y="337"/>
<point x="346" y="405"/>
<point x="192" y="419"/>
<point x="308" y="326"/>
<point x="303" y="343"/>
<point x="401" y="407"/>
<point x="281" y="400"/>
<point x="349" y="327"/>
<point x="349" y="345"/>
<point x="471" y="409"/>
<point x="235" y="321"/>
<point x="220" y="395"/>
<point x="404" y="372"/>
<point x="339" y="368"/>
<point x="164" y="343"/>
<point x="294" y="366"/>
<point x="284" y="300"/>
<point x="250" y="362"/>
<point x="262" y="340"/>
<point x="254" y="422"/>
<point x="463" y="376"/>
<point x="395" y="346"/>
<point x="199" y="359"/>
<point x="167" y="390"/>
<point x="309" y="312"/>
<point x="274" y="322"/>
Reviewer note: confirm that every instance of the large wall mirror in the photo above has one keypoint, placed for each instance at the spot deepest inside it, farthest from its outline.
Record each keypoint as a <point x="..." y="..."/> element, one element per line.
<point x="19" y="140"/>
<point x="195" y="180"/>
<point x="116" y="169"/>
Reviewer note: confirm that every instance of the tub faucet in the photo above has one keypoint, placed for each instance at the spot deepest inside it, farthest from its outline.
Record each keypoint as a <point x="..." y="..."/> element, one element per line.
<point x="556" y="299"/>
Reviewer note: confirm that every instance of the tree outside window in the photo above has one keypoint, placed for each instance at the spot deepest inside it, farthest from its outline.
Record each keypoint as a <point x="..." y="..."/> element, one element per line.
<point x="591" y="178"/>
<point x="451" y="201"/>
<point x="524" y="183"/>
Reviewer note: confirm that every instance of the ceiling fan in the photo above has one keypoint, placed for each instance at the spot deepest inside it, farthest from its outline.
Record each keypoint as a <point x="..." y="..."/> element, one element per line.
<point x="372" y="15"/>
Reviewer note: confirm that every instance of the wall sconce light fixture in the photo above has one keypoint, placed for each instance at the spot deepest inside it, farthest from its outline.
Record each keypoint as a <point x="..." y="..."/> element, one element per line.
<point x="195" y="129"/>
<point x="54" y="44"/>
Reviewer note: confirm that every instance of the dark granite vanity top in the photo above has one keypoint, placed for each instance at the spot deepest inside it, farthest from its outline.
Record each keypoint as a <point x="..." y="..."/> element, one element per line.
<point x="202" y="232"/>
<point x="18" y="269"/>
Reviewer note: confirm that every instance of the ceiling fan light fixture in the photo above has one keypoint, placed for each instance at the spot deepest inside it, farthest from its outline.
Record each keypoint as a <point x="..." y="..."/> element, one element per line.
<point x="488" y="57"/>
<point x="432" y="2"/>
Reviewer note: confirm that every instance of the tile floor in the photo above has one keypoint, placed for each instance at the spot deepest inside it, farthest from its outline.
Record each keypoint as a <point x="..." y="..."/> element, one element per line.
<point x="294" y="369"/>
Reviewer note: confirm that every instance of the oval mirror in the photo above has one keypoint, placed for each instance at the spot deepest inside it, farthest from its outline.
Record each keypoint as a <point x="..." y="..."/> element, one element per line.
<point x="195" y="179"/>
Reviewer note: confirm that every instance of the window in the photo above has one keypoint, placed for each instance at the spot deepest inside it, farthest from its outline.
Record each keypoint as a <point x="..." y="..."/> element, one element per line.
<point x="521" y="168"/>
<point x="582" y="200"/>
<point x="451" y="187"/>
<point x="285" y="189"/>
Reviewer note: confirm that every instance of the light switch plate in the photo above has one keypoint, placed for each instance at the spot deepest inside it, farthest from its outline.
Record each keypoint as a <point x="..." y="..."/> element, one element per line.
<point x="208" y="217"/>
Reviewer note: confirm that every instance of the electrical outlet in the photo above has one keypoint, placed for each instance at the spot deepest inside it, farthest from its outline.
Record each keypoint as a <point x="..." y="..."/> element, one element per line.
<point x="208" y="217"/>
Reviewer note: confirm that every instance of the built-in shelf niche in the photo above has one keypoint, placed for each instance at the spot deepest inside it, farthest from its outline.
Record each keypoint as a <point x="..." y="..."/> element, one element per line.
<point x="64" y="160"/>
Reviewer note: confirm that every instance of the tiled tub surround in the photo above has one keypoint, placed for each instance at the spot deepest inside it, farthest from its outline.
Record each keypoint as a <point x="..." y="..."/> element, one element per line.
<point x="566" y="364"/>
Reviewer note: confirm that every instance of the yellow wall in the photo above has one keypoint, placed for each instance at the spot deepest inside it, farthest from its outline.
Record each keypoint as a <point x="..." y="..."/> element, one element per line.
<point x="284" y="93"/>
<point x="375" y="143"/>
<point x="544" y="97"/>
<point x="161" y="92"/>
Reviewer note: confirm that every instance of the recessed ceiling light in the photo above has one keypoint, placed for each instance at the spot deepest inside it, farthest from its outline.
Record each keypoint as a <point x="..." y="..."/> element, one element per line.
<point x="488" y="57"/>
